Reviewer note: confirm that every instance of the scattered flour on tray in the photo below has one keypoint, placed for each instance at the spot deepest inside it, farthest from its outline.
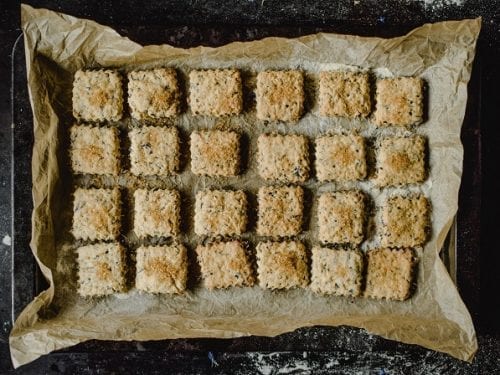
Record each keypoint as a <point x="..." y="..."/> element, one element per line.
<point x="6" y="240"/>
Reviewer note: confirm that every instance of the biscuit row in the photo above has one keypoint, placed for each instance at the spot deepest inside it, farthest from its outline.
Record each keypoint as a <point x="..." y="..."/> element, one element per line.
<point x="381" y="273"/>
<point x="156" y="94"/>
<point x="403" y="221"/>
<point x="155" y="150"/>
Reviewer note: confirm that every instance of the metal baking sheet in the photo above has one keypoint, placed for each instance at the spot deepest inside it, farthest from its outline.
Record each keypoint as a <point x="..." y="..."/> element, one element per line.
<point x="27" y="281"/>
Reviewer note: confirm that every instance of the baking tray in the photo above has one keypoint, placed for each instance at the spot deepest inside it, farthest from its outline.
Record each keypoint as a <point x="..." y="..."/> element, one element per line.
<point x="27" y="280"/>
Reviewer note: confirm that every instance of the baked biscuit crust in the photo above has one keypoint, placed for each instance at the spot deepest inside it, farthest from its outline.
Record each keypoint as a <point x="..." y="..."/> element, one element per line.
<point x="154" y="150"/>
<point x="337" y="272"/>
<point x="400" y="161"/>
<point x="344" y="94"/>
<point x="341" y="217"/>
<point x="399" y="101"/>
<point x="405" y="221"/>
<point x="97" y="95"/>
<point x="215" y="92"/>
<point x="101" y="269"/>
<point x="215" y="153"/>
<point x="95" y="150"/>
<point x="282" y="265"/>
<point x="96" y="214"/>
<point x="220" y="213"/>
<point x="224" y="265"/>
<point x="156" y="213"/>
<point x="283" y="158"/>
<point x="153" y="93"/>
<point x="162" y="269"/>
<point x="389" y="273"/>
<point x="280" y="95"/>
<point x="280" y="211"/>
<point x="340" y="158"/>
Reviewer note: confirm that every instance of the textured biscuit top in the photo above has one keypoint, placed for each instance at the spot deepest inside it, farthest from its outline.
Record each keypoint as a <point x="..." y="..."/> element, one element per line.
<point x="280" y="95"/>
<point x="280" y="211"/>
<point x="95" y="150"/>
<point x="405" y="221"/>
<point x="337" y="272"/>
<point x="215" y="153"/>
<point x="345" y="94"/>
<point x="399" y="101"/>
<point x="162" y="269"/>
<point x="341" y="217"/>
<point x="220" y="212"/>
<point x="101" y="269"/>
<point x="96" y="214"/>
<point x="153" y="93"/>
<point x="283" y="157"/>
<point x="215" y="92"/>
<point x="224" y="264"/>
<point x="340" y="158"/>
<point x="156" y="212"/>
<point x="97" y="95"/>
<point x="282" y="265"/>
<point x="389" y="273"/>
<point x="154" y="150"/>
<point x="400" y="160"/>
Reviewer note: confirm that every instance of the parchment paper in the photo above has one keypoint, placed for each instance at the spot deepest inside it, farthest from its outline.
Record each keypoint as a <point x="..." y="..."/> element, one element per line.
<point x="57" y="45"/>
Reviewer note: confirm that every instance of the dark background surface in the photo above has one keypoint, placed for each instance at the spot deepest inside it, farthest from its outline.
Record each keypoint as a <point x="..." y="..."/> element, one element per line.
<point x="319" y="349"/>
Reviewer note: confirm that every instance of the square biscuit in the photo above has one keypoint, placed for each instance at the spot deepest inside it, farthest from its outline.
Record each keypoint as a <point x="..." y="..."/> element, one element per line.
<point x="404" y="221"/>
<point x="280" y="211"/>
<point x="224" y="265"/>
<point x="96" y="214"/>
<point x="161" y="269"/>
<point x="215" y="153"/>
<point x="220" y="213"/>
<point x="153" y="93"/>
<point x="400" y="161"/>
<point x="344" y="94"/>
<point x="280" y="95"/>
<point x="215" y="92"/>
<point x="389" y="273"/>
<point x="337" y="272"/>
<point x="341" y="217"/>
<point x="97" y="95"/>
<point x="340" y="158"/>
<point x="154" y="150"/>
<point x="156" y="213"/>
<point x="399" y="101"/>
<point x="101" y="269"/>
<point x="283" y="158"/>
<point x="282" y="265"/>
<point x="95" y="150"/>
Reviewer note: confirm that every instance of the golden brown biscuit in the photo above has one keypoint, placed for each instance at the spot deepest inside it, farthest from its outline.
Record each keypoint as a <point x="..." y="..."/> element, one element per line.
<point x="341" y="217"/>
<point x="97" y="95"/>
<point x="389" y="273"/>
<point x="220" y="213"/>
<point x="280" y="95"/>
<point x="162" y="269"/>
<point x="337" y="272"/>
<point x="96" y="214"/>
<point x="215" y="92"/>
<point x="399" y="101"/>
<point x="153" y="93"/>
<point x="215" y="153"/>
<point x="282" y="265"/>
<point x="95" y="150"/>
<point x="224" y="265"/>
<point x="344" y="94"/>
<point x="154" y="150"/>
<point x="101" y="269"/>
